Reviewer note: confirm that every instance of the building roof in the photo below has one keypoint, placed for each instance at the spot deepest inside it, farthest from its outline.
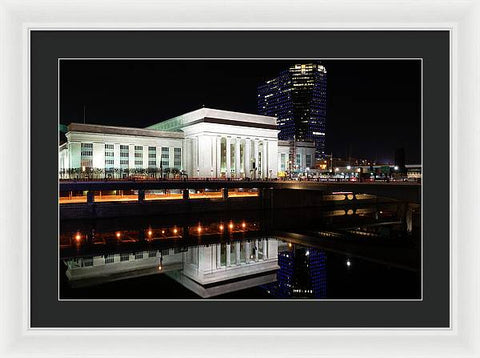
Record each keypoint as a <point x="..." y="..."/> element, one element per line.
<point x="218" y="116"/>
<point x="96" y="128"/>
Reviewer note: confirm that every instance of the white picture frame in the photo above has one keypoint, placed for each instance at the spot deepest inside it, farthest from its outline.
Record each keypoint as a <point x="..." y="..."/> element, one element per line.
<point x="461" y="18"/>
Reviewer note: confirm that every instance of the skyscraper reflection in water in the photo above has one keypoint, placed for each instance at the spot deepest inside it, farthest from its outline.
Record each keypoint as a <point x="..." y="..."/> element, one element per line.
<point x="302" y="273"/>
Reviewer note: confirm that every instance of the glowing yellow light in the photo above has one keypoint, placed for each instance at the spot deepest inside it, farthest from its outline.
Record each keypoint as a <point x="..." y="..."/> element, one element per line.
<point x="289" y="244"/>
<point x="118" y="234"/>
<point x="230" y="226"/>
<point x="159" y="267"/>
<point x="199" y="229"/>
<point x="78" y="237"/>
<point x="163" y="231"/>
<point x="149" y="232"/>
<point x="243" y="225"/>
<point x="221" y="227"/>
<point x="175" y="230"/>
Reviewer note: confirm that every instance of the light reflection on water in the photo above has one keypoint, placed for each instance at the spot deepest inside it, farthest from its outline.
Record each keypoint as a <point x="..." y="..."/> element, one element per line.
<point x="367" y="254"/>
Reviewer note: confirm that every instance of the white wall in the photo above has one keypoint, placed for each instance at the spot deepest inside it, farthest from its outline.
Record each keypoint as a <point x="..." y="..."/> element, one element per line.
<point x="99" y="140"/>
<point x="99" y="154"/>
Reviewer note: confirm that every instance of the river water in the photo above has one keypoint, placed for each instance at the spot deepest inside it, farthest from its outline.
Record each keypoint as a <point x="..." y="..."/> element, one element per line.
<point x="364" y="252"/>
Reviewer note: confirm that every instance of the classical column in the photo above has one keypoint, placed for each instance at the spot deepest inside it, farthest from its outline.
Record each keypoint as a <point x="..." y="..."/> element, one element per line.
<point x="228" y="254"/>
<point x="247" y="252"/>
<point x="227" y="161"/>
<point x="219" y="157"/>
<point x="255" y="156"/>
<point x="237" y="157"/>
<point x="237" y="253"/>
<point x="219" y="255"/>
<point x="246" y="157"/>
<point x="195" y="172"/>
<point x="256" y="250"/>
<point x="265" y="249"/>
<point x="265" y="159"/>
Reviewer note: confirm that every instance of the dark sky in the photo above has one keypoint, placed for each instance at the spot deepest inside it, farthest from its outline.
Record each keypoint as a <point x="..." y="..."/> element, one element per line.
<point x="374" y="106"/>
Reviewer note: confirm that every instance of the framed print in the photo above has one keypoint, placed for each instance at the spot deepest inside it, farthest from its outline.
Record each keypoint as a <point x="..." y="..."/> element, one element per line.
<point x="229" y="209"/>
<point x="208" y="183"/>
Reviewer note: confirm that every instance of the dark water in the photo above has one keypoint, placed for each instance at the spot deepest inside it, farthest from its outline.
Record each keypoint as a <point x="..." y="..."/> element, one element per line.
<point x="370" y="252"/>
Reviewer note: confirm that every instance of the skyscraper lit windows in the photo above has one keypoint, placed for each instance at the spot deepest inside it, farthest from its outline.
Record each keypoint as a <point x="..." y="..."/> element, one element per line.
<point x="297" y="97"/>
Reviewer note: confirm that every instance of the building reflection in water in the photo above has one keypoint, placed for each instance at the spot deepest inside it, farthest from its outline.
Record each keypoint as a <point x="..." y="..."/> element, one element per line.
<point x="217" y="258"/>
<point x="207" y="270"/>
<point x="223" y="268"/>
<point x="302" y="273"/>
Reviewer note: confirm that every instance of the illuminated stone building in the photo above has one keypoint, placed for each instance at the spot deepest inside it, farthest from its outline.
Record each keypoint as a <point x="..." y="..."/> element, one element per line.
<point x="206" y="143"/>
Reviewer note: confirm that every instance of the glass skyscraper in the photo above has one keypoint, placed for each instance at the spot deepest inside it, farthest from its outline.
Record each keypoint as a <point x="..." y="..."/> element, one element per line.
<point x="298" y="98"/>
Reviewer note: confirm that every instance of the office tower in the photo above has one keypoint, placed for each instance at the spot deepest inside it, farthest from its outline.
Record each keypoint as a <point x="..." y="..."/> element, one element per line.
<point x="297" y="97"/>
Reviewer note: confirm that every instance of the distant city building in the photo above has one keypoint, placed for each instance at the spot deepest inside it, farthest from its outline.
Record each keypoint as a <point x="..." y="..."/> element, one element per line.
<point x="414" y="171"/>
<point x="298" y="98"/>
<point x="205" y="143"/>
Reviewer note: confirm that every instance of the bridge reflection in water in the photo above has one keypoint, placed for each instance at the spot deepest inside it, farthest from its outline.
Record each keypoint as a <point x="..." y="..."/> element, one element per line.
<point x="334" y="254"/>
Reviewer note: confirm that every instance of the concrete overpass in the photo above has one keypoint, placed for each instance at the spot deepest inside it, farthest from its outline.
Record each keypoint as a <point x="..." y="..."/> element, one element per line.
<point x="405" y="191"/>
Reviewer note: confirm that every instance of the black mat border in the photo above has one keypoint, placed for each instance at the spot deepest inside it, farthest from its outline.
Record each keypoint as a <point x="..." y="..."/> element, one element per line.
<point x="48" y="46"/>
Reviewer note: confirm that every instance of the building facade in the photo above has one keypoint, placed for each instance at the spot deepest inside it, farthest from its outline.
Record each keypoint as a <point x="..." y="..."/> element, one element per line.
<point x="207" y="270"/>
<point x="297" y="97"/>
<point x="205" y="143"/>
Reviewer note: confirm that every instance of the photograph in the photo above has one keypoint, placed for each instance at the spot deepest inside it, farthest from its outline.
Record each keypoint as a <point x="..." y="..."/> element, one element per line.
<point x="240" y="179"/>
<point x="196" y="178"/>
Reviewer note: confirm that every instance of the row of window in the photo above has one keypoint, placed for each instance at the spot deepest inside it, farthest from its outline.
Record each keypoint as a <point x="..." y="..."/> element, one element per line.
<point x="110" y="259"/>
<point x="308" y="161"/>
<point x="87" y="156"/>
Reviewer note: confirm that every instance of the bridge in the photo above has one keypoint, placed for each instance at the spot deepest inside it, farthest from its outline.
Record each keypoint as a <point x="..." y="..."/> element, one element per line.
<point x="404" y="191"/>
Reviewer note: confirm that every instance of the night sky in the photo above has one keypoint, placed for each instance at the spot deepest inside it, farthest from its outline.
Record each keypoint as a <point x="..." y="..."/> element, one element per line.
<point x="373" y="107"/>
